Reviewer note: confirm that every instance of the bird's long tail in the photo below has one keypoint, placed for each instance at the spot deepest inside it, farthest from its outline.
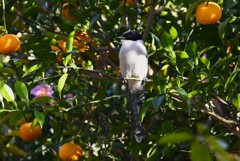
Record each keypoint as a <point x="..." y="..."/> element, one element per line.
<point x="136" y="102"/>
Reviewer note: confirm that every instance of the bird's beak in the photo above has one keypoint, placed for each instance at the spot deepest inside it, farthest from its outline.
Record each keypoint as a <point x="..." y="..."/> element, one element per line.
<point x="120" y="37"/>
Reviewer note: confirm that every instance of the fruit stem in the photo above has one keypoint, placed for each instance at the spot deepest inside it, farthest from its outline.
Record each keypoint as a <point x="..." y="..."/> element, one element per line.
<point x="4" y="16"/>
<point x="207" y="1"/>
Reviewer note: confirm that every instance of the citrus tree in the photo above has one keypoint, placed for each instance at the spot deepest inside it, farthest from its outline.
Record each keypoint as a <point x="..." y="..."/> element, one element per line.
<point x="62" y="96"/>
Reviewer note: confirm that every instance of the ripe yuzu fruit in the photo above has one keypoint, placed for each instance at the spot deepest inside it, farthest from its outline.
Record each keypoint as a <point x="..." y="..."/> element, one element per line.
<point x="9" y="43"/>
<point x="70" y="152"/>
<point x="29" y="134"/>
<point x="208" y="13"/>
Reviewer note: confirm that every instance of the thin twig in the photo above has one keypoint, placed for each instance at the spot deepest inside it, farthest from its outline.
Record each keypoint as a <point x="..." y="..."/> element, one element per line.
<point x="231" y="125"/>
<point x="4" y="16"/>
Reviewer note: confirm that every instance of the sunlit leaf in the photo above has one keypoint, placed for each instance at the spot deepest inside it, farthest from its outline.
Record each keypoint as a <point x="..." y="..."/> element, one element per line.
<point x="205" y="50"/>
<point x="236" y="101"/>
<point x="230" y="79"/>
<point x="173" y="32"/>
<point x="61" y="83"/>
<point x="69" y="43"/>
<point x="32" y="69"/>
<point x="205" y="61"/>
<point x="6" y="92"/>
<point x="182" y="54"/>
<point x="40" y="117"/>
<point x="21" y="90"/>
<point x="143" y="110"/>
<point x="1" y="99"/>
<point x="167" y="42"/>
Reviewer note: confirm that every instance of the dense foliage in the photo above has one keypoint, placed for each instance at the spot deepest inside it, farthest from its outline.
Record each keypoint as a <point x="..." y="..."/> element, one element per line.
<point x="76" y="95"/>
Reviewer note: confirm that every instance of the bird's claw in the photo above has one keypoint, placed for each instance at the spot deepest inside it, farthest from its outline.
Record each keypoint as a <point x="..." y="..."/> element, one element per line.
<point x="124" y="80"/>
<point x="144" y="80"/>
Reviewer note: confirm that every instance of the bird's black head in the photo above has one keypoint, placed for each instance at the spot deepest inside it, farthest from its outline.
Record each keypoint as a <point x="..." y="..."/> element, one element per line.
<point x="131" y="35"/>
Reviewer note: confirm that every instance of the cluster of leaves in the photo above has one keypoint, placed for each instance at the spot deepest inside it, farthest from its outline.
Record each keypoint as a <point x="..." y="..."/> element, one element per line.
<point x="192" y="96"/>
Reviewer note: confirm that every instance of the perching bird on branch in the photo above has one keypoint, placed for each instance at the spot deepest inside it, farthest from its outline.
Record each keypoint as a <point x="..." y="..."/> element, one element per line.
<point x="133" y="58"/>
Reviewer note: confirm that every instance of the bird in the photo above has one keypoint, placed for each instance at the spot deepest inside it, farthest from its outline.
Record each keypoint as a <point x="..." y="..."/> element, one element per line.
<point x="133" y="61"/>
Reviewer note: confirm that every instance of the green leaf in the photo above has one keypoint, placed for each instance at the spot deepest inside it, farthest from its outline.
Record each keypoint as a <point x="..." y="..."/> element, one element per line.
<point x="191" y="10"/>
<point x="199" y="152"/>
<point x="61" y="83"/>
<point x="173" y="32"/>
<point x="176" y="138"/>
<point x="1" y="99"/>
<point x="194" y="93"/>
<point x="236" y="101"/>
<point x="182" y="54"/>
<point x="205" y="61"/>
<point x="32" y="69"/>
<point x="167" y="42"/>
<point x="218" y="147"/>
<point x="205" y="50"/>
<point x="94" y="19"/>
<point x="230" y="79"/>
<point x="222" y="29"/>
<point x="57" y="129"/>
<point x="15" y="117"/>
<point x="157" y="101"/>
<point x="185" y="97"/>
<point x="22" y="91"/>
<point x="167" y="127"/>
<point x="192" y="51"/>
<point x="6" y="92"/>
<point x="15" y="150"/>
<point x="40" y="117"/>
<point x="43" y="99"/>
<point x="69" y="43"/>
<point x="144" y="108"/>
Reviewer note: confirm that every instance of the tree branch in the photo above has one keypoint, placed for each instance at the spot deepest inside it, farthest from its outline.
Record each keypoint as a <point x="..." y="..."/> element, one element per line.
<point x="231" y="125"/>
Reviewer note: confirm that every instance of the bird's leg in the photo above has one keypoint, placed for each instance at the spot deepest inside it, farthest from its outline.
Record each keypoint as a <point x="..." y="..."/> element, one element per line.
<point x="124" y="80"/>
<point x="144" y="80"/>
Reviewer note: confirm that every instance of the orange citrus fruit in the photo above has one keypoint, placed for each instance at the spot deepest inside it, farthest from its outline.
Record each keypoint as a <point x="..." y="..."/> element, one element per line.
<point x="9" y="43"/>
<point x="80" y="40"/>
<point x="70" y="152"/>
<point x="132" y="2"/>
<point x="29" y="134"/>
<point x="208" y="13"/>
<point x="62" y="45"/>
<point x="65" y="12"/>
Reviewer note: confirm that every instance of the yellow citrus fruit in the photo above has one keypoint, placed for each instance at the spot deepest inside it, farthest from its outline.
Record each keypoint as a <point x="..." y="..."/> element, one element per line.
<point x="65" y="12"/>
<point x="70" y="152"/>
<point x="9" y="43"/>
<point x="29" y="134"/>
<point x="208" y="13"/>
